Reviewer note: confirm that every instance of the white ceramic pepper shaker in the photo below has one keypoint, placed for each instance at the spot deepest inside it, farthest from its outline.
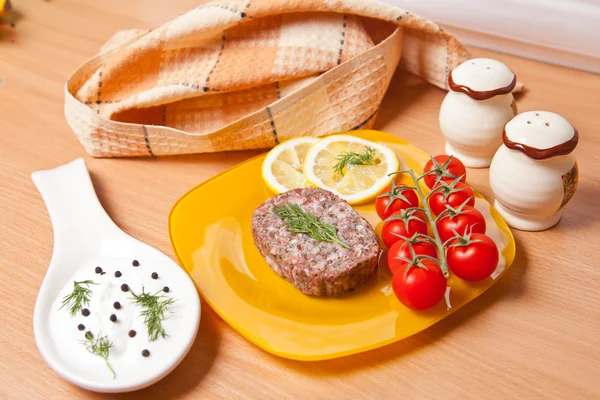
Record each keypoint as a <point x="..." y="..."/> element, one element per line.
<point x="534" y="173"/>
<point x="475" y="110"/>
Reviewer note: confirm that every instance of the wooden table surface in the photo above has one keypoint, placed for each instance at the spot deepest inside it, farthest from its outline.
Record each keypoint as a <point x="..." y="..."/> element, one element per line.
<point x="535" y="334"/>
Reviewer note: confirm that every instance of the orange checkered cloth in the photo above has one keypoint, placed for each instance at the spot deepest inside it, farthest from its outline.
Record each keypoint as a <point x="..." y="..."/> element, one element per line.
<point x="246" y="74"/>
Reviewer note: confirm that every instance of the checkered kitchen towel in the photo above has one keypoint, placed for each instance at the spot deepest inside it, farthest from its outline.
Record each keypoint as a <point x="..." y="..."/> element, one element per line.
<point x="246" y="74"/>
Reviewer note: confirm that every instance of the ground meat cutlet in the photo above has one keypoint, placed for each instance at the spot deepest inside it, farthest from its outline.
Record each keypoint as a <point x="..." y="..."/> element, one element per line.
<point x="314" y="267"/>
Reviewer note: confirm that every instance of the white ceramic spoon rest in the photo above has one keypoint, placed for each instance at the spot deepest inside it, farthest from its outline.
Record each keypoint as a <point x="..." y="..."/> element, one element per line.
<point x="85" y="237"/>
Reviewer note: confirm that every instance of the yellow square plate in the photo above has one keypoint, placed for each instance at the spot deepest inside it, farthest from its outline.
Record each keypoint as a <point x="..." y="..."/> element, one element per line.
<point x="210" y="230"/>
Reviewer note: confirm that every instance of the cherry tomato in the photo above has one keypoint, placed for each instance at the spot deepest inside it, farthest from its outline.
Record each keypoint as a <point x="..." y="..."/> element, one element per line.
<point x="420" y="288"/>
<point x="385" y="207"/>
<point x="474" y="260"/>
<point x="403" y="223"/>
<point x="401" y="249"/>
<point x="456" y="194"/>
<point x="468" y="219"/>
<point x="445" y="170"/>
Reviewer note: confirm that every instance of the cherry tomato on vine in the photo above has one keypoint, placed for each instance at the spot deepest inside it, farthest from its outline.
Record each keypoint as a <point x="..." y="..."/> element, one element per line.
<point x="403" y="223"/>
<point x="446" y="169"/>
<point x="401" y="249"/>
<point x="473" y="257"/>
<point x="395" y="198"/>
<point x="453" y="194"/>
<point x="421" y="287"/>
<point x="467" y="219"/>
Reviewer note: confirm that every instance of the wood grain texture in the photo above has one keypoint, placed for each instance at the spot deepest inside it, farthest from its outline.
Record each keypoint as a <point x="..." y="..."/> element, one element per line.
<point x="536" y="334"/>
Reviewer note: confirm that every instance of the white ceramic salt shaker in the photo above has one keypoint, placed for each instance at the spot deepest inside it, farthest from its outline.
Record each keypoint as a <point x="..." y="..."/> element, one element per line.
<point x="534" y="173"/>
<point x="475" y="110"/>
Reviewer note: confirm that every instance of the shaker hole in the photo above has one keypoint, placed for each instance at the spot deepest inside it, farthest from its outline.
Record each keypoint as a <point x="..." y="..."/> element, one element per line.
<point x="472" y="63"/>
<point x="547" y="124"/>
<point x="537" y="114"/>
<point x="529" y="122"/>
<point x="488" y="68"/>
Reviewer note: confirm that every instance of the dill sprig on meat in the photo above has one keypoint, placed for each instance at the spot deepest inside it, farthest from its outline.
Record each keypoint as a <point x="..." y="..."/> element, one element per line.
<point x="99" y="346"/>
<point x="349" y="159"/>
<point x="155" y="308"/>
<point x="299" y="221"/>
<point x="79" y="297"/>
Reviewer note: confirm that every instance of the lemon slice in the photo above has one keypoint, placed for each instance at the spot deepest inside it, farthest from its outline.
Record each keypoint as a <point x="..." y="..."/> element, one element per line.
<point x="282" y="168"/>
<point x="356" y="183"/>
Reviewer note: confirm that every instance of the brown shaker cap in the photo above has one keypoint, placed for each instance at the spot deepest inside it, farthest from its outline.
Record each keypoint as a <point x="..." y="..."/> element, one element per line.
<point x="482" y="78"/>
<point x="540" y="135"/>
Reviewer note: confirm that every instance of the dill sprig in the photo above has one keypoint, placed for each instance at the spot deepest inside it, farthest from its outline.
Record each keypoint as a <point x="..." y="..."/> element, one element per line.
<point x="349" y="159"/>
<point x="299" y="221"/>
<point x="154" y="311"/>
<point x="78" y="297"/>
<point x="99" y="346"/>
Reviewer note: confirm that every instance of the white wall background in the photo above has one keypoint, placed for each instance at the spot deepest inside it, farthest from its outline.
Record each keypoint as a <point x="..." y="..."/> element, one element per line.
<point x="565" y="32"/>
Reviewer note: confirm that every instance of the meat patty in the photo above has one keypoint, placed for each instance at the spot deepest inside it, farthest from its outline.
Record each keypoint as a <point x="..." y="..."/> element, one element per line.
<point x="315" y="267"/>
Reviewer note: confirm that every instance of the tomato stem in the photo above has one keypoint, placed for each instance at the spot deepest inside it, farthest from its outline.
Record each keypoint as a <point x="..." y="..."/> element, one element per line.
<point x="462" y="240"/>
<point x="438" y="241"/>
<point x="395" y="193"/>
<point x="441" y="171"/>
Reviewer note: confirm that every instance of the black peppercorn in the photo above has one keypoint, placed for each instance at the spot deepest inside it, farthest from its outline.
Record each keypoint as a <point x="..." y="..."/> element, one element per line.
<point x="98" y="270"/>
<point x="80" y="327"/>
<point x="85" y="312"/>
<point x="125" y="287"/>
<point x="89" y="335"/>
<point x="154" y="275"/>
<point x="166" y="289"/>
<point x="113" y="318"/>
<point x="135" y="263"/>
<point x="118" y="274"/>
<point x="117" y="305"/>
<point x="132" y="333"/>
<point x="145" y="353"/>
